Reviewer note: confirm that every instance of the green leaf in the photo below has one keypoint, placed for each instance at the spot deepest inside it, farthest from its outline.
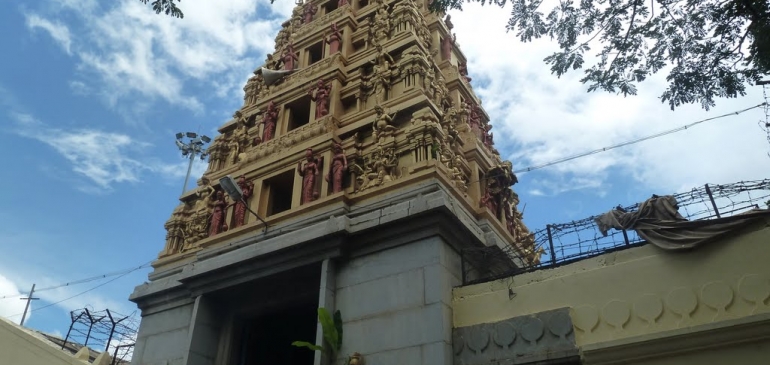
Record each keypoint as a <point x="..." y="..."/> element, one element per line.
<point x="338" y="326"/>
<point x="329" y="330"/>
<point x="308" y="345"/>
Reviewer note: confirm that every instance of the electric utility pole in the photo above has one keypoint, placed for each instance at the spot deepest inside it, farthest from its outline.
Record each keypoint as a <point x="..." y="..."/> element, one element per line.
<point x="28" y="299"/>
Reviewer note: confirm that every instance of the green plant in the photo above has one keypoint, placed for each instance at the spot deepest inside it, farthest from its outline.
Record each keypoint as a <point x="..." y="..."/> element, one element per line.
<point x="331" y="327"/>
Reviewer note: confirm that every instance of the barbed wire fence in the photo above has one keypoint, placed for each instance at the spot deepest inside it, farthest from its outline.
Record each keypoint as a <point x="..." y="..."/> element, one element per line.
<point x="562" y="243"/>
<point x="104" y="330"/>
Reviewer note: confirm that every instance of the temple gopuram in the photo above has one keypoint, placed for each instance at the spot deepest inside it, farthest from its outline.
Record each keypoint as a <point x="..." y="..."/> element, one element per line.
<point x="367" y="165"/>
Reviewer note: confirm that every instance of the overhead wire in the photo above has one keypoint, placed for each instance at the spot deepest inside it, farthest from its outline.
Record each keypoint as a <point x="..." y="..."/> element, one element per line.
<point x="86" y="280"/>
<point x="634" y="141"/>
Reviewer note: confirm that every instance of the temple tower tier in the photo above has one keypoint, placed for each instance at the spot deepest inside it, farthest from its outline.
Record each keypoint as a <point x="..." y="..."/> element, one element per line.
<point x="371" y="166"/>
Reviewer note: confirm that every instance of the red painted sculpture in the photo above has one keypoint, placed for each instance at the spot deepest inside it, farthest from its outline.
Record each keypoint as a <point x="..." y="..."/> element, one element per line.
<point x="239" y="212"/>
<point x="289" y="57"/>
<point x="446" y="47"/>
<point x="217" y="222"/>
<point x="320" y="94"/>
<point x="269" y="120"/>
<point x="490" y="201"/>
<point x="308" y="172"/>
<point x="334" y="40"/>
<point x="462" y="69"/>
<point x="338" y="167"/>
<point x="307" y="13"/>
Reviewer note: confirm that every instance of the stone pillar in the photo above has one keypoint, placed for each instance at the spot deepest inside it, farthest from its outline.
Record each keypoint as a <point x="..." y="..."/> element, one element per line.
<point x="205" y="327"/>
<point x="396" y="304"/>
<point x="325" y="300"/>
<point x="335" y="99"/>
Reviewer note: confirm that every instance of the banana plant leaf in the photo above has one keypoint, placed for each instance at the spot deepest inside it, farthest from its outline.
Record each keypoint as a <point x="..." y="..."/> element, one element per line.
<point x="308" y="345"/>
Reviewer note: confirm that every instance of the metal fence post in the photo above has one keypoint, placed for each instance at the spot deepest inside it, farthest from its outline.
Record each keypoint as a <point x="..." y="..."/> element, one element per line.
<point x="625" y="237"/>
<point x="550" y="244"/>
<point x="713" y="203"/>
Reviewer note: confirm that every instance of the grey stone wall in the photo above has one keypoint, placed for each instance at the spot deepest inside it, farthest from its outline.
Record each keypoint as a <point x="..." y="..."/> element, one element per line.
<point x="163" y="337"/>
<point x="543" y="338"/>
<point x="396" y="303"/>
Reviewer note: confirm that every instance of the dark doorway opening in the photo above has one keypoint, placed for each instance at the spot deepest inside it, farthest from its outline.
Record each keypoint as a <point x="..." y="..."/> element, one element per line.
<point x="267" y="339"/>
<point x="270" y="313"/>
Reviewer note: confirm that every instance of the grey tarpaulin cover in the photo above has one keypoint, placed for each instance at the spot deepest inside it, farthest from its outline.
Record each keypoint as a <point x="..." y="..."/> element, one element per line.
<point x="658" y="222"/>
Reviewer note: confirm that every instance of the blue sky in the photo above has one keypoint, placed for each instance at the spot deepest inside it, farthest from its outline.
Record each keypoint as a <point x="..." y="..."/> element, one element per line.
<point x="92" y="94"/>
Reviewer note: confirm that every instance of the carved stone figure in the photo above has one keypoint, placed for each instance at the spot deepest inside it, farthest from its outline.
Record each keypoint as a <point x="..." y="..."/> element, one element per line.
<point x="270" y="62"/>
<point x="380" y="24"/>
<point x="334" y="39"/>
<point x="462" y="69"/>
<point x="490" y="201"/>
<point x="338" y="167"/>
<point x="215" y="155"/>
<point x="448" y="22"/>
<point x="269" y="119"/>
<point x="233" y="148"/>
<point x="289" y="57"/>
<point x="309" y="171"/>
<point x="307" y="12"/>
<point x="320" y="94"/>
<point x="239" y="210"/>
<point x="253" y="88"/>
<point x="382" y="123"/>
<point x="383" y="73"/>
<point x="446" y="47"/>
<point x="282" y="37"/>
<point x="342" y="3"/>
<point x="217" y="223"/>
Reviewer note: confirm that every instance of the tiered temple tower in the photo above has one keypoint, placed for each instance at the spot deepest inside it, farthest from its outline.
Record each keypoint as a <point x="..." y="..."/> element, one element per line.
<point x="372" y="165"/>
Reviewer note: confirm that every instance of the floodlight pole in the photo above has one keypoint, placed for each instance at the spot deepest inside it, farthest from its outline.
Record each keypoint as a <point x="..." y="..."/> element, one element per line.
<point x="193" y="147"/>
<point x="189" y="170"/>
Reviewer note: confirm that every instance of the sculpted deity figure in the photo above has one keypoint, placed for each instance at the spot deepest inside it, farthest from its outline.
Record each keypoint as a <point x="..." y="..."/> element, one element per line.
<point x="217" y="222"/>
<point x="342" y="3"/>
<point x="215" y="155"/>
<point x="234" y="149"/>
<point x="239" y="211"/>
<point x="296" y="18"/>
<point x="383" y="72"/>
<point x="462" y="69"/>
<point x="309" y="171"/>
<point x="253" y="88"/>
<point x="289" y="57"/>
<point x="380" y="24"/>
<point x="269" y="119"/>
<point x="270" y="62"/>
<point x="320" y="94"/>
<point x="338" y="167"/>
<point x="490" y="201"/>
<point x="335" y="39"/>
<point x="382" y="122"/>
<point x="448" y="22"/>
<point x="446" y="46"/>
<point x="307" y="13"/>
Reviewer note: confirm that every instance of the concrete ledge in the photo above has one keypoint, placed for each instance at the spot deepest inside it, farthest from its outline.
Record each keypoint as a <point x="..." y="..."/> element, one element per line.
<point x="680" y="341"/>
<point x="542" y="338"/>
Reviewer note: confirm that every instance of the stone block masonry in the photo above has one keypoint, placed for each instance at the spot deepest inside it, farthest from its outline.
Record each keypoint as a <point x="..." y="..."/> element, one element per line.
<point x="396" y="303"/>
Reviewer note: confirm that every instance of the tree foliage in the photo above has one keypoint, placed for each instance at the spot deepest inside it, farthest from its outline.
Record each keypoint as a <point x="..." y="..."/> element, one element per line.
<point x="710" y="48"/>
<point x="167" y="7"/>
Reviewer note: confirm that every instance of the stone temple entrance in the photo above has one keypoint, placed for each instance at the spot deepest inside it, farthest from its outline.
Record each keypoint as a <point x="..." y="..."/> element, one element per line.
<point x="260" y="319"/>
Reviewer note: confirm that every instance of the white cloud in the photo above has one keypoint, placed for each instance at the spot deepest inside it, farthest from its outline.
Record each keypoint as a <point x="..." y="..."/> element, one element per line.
<point x="59" y="32"/>
<point x="11" y="305"/>
<point x="104" y="158"/>
<point x="540" y="118"/>
<point x="131" y="49"/>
